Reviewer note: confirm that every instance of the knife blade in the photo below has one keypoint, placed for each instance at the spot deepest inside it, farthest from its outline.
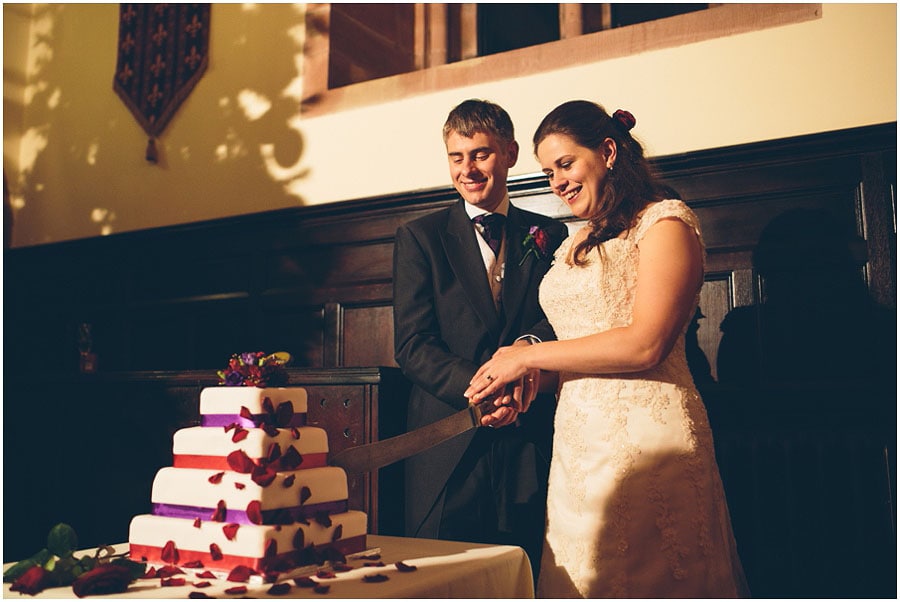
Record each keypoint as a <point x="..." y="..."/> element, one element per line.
<point x="371" y="456"/>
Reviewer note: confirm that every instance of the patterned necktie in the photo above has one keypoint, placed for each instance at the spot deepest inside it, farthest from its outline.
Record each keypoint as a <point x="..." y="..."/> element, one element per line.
<point x="491" y="229"/>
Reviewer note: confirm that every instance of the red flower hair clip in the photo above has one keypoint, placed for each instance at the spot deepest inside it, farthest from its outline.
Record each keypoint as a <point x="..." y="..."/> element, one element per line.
<point x="625" y="118"/>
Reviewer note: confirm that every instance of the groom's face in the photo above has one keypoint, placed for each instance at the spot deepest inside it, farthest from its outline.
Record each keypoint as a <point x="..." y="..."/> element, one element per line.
<point x="479" y="166"/>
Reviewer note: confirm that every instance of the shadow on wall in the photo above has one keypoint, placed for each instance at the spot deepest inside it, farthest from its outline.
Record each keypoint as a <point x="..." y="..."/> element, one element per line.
<point x="234" y="147"/>
<point x="816" y="321"/>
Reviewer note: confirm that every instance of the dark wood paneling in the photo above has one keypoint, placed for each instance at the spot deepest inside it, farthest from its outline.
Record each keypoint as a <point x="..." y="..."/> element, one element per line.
<point x="317" y="281"/>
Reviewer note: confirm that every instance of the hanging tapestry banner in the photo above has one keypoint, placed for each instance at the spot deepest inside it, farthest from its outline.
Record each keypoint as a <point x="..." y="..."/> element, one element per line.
<point x="163" y="52"/>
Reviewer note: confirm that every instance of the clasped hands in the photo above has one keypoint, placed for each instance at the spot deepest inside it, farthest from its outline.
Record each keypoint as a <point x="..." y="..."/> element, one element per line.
<point x="508" y="382"/>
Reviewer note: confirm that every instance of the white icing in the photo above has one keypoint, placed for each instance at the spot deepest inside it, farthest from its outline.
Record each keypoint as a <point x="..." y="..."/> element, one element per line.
<point x="228" y="400"/>
<point x="215" y="441"/>
<point x="191" y="487"/>
<point x="249" y="541"/>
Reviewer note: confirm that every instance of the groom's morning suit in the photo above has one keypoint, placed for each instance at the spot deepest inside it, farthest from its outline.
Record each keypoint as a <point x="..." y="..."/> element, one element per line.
<point x="447" y="325"/>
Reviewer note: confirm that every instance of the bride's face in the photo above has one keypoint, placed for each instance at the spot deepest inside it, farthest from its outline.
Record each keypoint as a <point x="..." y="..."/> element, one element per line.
<point x="576" y="173"/>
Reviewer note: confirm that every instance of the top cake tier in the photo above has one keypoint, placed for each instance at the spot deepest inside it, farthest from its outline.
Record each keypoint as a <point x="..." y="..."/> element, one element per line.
<point x="253" y="406"/>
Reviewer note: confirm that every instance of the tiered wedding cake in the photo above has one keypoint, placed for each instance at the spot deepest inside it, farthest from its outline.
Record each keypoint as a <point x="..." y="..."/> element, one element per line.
<point x="250" y="486"/>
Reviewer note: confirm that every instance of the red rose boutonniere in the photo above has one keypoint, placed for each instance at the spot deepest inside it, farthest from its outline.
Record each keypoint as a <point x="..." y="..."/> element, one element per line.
<point x="537" y="243"/>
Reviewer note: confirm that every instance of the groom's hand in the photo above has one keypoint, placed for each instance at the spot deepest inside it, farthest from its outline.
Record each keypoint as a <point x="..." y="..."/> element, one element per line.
<point x="505" y="412"/>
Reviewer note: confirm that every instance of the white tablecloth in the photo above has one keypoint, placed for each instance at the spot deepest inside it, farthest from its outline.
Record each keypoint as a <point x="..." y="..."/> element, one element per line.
<point x="444" y="569"/>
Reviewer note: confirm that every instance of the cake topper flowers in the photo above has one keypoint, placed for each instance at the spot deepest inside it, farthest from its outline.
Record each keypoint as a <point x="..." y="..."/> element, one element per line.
<point x="255" y="369"/>
<point x="536" y="243"/>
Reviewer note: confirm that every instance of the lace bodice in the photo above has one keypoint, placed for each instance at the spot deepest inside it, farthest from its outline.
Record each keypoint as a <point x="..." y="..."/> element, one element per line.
<point x="584" y="300"/>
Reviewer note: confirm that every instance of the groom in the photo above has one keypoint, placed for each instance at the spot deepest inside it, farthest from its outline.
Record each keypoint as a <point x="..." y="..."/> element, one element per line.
<point x="464" y="286"/>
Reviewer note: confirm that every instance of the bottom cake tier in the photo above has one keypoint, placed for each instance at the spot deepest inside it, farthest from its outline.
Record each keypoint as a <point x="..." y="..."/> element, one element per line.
<point x="216" y="545"/>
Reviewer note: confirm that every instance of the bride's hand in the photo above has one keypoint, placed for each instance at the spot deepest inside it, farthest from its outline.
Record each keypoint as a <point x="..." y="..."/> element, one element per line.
<point x="496" y="373"/>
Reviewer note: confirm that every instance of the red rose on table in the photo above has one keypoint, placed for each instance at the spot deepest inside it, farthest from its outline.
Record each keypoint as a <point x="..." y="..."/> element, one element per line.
<point x="105" y="579"/>
<point x="32" y="581"/>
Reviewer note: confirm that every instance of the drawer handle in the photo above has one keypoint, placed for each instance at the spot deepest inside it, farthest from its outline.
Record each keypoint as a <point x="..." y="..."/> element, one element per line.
<point x="323" y="402"/>
<point x="346" y="403"/>
<point x="348" y="433"/>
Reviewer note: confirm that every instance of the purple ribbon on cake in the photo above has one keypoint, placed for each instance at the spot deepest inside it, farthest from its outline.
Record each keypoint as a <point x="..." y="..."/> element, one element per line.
<point x="277" y="516"/>
<point x="224" y="420"/>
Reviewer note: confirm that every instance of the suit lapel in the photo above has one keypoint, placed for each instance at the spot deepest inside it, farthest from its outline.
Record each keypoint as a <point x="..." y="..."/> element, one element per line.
<point x="465" y="260"/>
<point x="516" y="278"/>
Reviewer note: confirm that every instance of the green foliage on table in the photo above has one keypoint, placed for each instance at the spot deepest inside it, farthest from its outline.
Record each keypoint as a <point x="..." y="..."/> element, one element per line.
<point x="58" y="559"/>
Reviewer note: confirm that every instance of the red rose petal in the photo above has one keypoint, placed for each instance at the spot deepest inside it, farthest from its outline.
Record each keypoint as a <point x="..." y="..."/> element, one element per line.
<point x="263" y="476"/>
<point x="193" y="564"/>
<point x="284" y="413"/>
<point x="240" y="462"/>
<point x="267" y="405"/>
<point x="240" y="589"/>
<point x="173" y="582"/>
<point x="239" y="435"/>
<point x="295" y="432"/>
<point x="240" y="573"/>
<point x="219" y="515"/>
<point x="239" y="486"/>
<point x="215" y="551"/>
<point x="340" y="567"/>
<point x="150" y="574"/>
<point x="374" y="563"/>
<point x="338" y="533"/>
<point x="231" y="426"/>
<point x="305" y="494"/>
<point x="230" y="530"/>
<point x="279" y="589"/>
<point x="299" y="539"/>
<point x="216" y="478"/>
<point x="199" y="596"/>
<point x="207" y="574"/>
<point x="254" y="512"/>
<point x="197" y="523"/>
<point x="202" y="584"/>
<point x="271" y="549"/>
<point x="323" y="519"/>
<point x="273" y="453"/>
<point x="402" y="567"/>
<point x="375" y="578"/>
<point x="321" y="588"/>
<point x="245" y="413"/>
<point x="170" y="570"/>
<point x="305" y="582"/>
<point x="325" y="574"/>
<point x="169" y="553"/>
<point x="289" y="480"/>
<point x="291" y="459"/>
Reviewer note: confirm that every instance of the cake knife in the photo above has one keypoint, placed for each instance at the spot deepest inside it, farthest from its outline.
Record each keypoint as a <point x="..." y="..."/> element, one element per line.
<point x="372" y="456"/>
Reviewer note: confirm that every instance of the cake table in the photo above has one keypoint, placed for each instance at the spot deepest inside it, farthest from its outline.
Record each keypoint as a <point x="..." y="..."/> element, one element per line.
<point x="444" y="569"/>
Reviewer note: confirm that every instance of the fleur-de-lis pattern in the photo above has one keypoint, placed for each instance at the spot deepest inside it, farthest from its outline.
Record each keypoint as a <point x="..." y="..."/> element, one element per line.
<point x="162" y="53"/>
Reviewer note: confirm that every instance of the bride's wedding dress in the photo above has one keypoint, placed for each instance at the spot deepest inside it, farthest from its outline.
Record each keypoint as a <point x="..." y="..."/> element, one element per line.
<point x="635" y="505"/>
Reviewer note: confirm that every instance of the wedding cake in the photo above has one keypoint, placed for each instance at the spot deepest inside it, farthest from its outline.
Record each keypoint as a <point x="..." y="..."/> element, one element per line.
<point x="250" y="486"/>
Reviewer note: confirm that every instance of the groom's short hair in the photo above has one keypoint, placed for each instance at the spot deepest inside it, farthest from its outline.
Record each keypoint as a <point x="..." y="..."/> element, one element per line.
<point x="473" y="116"/>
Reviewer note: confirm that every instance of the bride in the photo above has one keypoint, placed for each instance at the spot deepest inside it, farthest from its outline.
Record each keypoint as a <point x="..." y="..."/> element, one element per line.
<point x="636" y="506"/>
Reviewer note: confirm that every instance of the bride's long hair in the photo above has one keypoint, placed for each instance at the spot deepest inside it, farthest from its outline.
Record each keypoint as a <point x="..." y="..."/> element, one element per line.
<point x="626" y="189"/>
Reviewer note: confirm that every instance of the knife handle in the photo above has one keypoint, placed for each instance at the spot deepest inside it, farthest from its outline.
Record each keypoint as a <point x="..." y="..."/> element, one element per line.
<point x="481" y="408"/>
